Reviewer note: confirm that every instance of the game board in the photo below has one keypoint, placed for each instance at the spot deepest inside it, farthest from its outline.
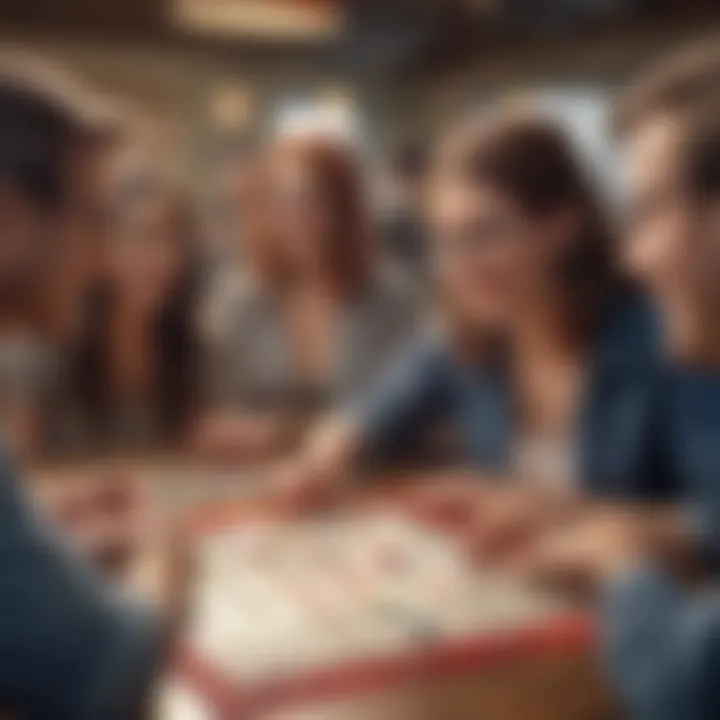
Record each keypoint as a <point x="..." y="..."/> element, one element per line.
<point x="294" y="611"/>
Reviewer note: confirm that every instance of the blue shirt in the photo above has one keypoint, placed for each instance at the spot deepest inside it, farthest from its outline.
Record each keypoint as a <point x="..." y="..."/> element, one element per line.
<point x="69" y="647"/>
<point x="661" y="647"/>
<point x="617" y="430"/>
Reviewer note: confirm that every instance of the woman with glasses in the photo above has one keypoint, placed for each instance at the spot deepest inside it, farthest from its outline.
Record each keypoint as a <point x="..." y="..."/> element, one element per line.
<point x="543" y="363"/>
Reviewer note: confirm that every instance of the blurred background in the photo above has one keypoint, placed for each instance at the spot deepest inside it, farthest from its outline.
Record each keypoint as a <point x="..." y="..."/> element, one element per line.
<point x="207" y="75"/>
<point x="199" y="86"/>
<point x="147" y="331"/>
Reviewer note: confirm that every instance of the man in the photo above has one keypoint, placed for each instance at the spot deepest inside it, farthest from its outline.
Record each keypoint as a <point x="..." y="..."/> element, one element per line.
<point x="665" y="124"/>
<point x="662" y="639"/>
<point x="44" y="305"/>
<point x="664" y="642"/>
<point x="70" y="647"/>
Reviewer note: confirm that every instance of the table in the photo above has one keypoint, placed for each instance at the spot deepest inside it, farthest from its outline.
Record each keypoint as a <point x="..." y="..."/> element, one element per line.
<point x="562" y="687"/>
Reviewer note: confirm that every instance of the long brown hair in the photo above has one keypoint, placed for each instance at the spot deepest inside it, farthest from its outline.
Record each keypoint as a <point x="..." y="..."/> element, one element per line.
<point x="531" y="160"/>
<point x="173" y="337"/>
<point x="335" y="168"/>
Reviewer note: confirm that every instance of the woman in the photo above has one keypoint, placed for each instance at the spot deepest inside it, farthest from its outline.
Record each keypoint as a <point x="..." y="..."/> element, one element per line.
<point x="313" y="317"/>
<point x="545" y="363"/>
<point x="136" y="369"/>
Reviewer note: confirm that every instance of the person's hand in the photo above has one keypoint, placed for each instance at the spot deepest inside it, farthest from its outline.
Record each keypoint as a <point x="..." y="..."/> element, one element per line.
<point x="106" y="518"/>
<point x="144" y="554"/>
<point x="302" y="486"/>
<point x="237" y="437"/>
<point x="321" y="475"/>
<point x="132" y="540"/>
<point x="506" y="522"/>
<point x="450" y="503"/>
<point x="581" y="555"/>
<point x="159" y="581"/>
<point x="161" y="570"/>
<point x="511" y="518"/>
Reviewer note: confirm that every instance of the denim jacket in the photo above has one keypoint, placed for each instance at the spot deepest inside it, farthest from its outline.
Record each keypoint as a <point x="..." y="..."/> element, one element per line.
<point x="616" y="434"/>
<point x="69" y="647"/>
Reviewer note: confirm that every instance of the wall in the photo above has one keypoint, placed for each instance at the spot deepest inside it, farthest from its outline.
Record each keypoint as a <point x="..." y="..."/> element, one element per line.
<point x="174" y="82"/>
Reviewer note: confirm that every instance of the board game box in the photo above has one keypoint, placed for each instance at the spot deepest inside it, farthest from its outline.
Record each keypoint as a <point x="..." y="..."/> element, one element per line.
<point x="294" y="611"/>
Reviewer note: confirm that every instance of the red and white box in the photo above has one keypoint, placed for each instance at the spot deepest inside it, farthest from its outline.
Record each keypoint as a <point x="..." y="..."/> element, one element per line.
<point x="371" y="615"/>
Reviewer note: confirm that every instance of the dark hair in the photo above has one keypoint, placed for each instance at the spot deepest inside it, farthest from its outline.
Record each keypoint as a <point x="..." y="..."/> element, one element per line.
<point x="173" y="337"/>
<point x="335" y="168"/>
<point x="674" y="85"/>
<point x="37" y="135"/>
<point x="531" y="160"/>
<point x="699" y="153"/>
